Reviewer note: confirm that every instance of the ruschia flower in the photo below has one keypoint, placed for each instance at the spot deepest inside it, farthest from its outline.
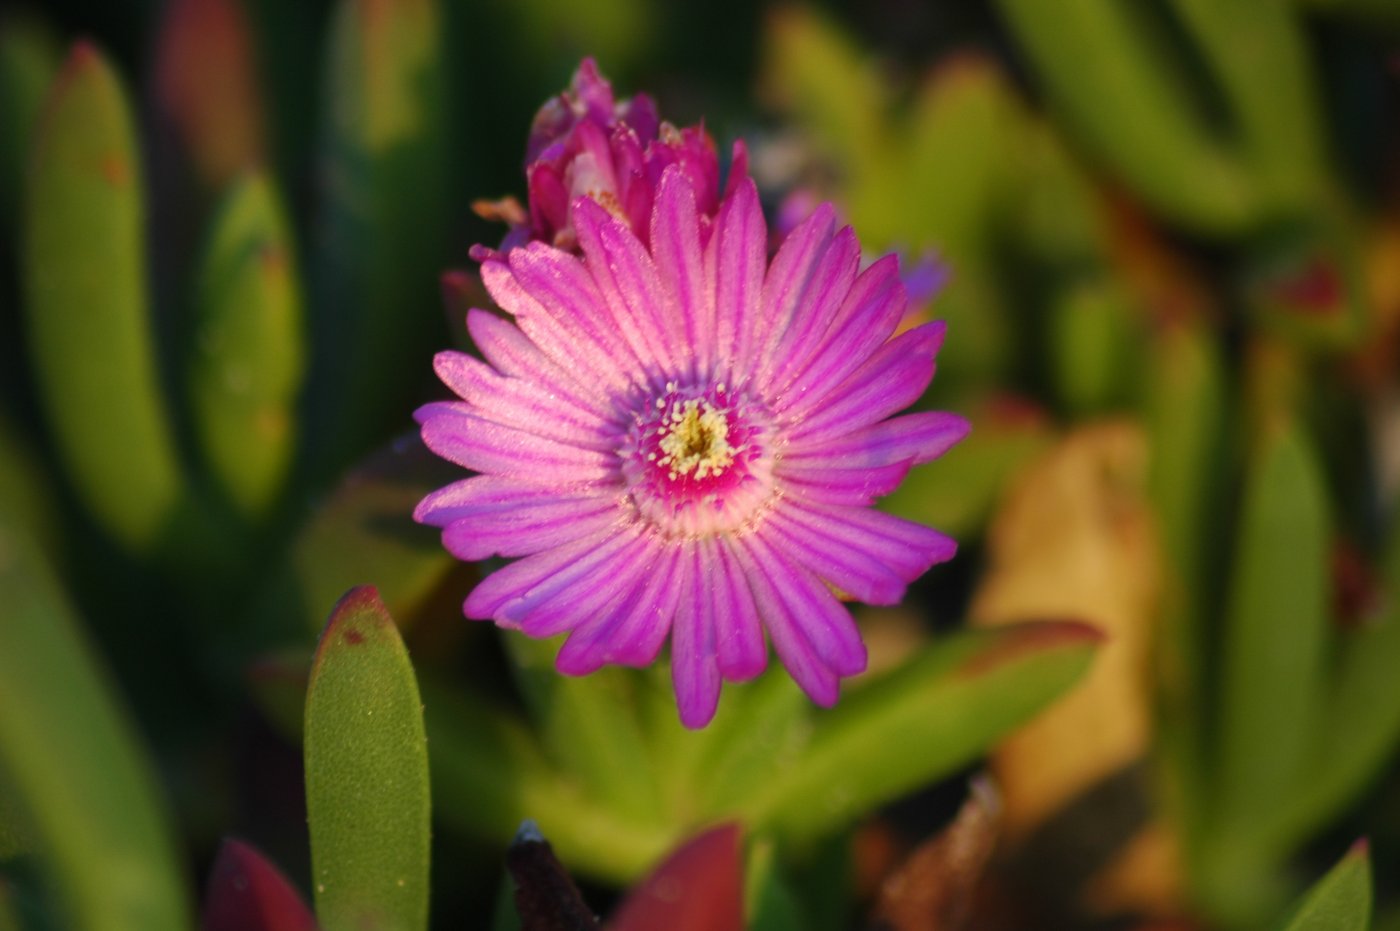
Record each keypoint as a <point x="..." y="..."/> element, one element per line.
<point x="677" y="439"/>
<point x="583" y="144"/>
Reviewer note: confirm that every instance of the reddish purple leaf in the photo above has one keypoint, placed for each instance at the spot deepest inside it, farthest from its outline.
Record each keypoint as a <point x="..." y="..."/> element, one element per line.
<point x="247" y="893"/>
<point x="699" y="887"/>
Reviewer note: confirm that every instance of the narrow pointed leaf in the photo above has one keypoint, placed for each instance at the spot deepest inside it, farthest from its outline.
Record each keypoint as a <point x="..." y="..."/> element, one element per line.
<point x="366" y="774"/>
<point x="1102" y="69"/>
<point x="90" y="331"/>
<point x="951" y="701"/>
<point x="380" y="243"/>
<point x="1341" y="900"/>
<point x="1275" y="640"/>
<point x="86" y="795"/>
<point x="248" y="893"/>
<point x="247" y="365"/>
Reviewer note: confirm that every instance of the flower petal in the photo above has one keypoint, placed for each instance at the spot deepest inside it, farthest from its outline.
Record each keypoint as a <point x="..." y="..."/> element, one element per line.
<point x="694" y="664"/>
<point x="456" y="433"/>
<point x="911" y="438"/>
<point x="734" y="260"/>
<point x="512" y="353"/>
<point x="675" y="245"/>
<point x="889" y="381"/>
<point x="632" y="629"/>
<point x="909" y="549"/>
<point x="526" y="530"/>
<point x="524" y="575"/>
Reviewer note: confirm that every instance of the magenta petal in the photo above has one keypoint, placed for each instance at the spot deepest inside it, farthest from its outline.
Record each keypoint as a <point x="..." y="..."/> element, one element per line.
<point x="854" y="571"/>
<point x="491" y="495"/>
<point x="822" y="298"/>
<point x="633" y="629"/>
<point x="458" y="435"/>
<point x="512" y="353"/>
<point x="911" y="438"/>
<point x="525" y="575"/>
<point x="892" y="379"/>
<point x="742" y="652"/>
<point x="588" y="570"/>
<point x="594" y="601"/>
<point x="859" y="486"/>
<point x="694" y="665"/>
<point x="787" y="284"/>
<point x="675" y="244"/>
<point x="909" y="549"/>
<point x="734" y="259"/>
<point x="527" y="530"/>
<point x="872" y="310"/>
<point x="519" y="401"/>
<point x="627" y="278"/>
<point x="826" y="623"/>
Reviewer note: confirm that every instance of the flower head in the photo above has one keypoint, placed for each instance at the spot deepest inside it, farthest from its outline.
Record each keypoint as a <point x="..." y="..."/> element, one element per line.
<point x="677" y="439"/>
<point x="583" y="143"/>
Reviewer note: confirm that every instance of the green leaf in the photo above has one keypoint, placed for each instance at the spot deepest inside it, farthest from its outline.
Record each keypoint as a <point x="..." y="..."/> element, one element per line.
<point x="80" y="782"/>
<point x="1257" y="51"/>
<point x="1361" y="716"/>
<point x="1341" y="900"/>
<point x="1275" y="641"/>
<point x="381" y="229"/>
<point x="366" y="774"/>
<point x="588" y="726"/>
<point x="490" y="774"/>
<point x="246" y="367"/>
<point x="1187" y="416"/>
<point x="1104" y="70"/>
<point x="769" y="904"/>
<point x="363" y="532"/>
<point x="85" y="297"/>
<point x="29" y="58"/>
<point x="1096" y="344"/>
<point x="951" y="701"/>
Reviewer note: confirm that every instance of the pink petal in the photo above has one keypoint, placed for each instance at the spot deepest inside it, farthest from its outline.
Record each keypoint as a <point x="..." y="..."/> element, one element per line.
<point x="909" y="549"/>
<point x="787" y="285"/>
<point x="822" y="298"/>
<point x="455" y="433"/>
<point x="889" y="381"/>
<point x="630" y="285"/>
<point x="633" y="629"/>
<point x="525" y="575"/>
<point x="857" y="572"/>
<point x="523" y="403"/>
<point x="912" y="438"/>
<point x="694" y="666"/>
<point x="675" y="245"/>
<point x="527" y="530"/>
<point x="742" y="651"/>
<point x="512" y="353"/>
<point x="735" y="260"/>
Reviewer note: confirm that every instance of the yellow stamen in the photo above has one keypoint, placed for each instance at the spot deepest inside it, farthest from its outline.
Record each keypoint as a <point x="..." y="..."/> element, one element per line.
<point x="696" y="440"/>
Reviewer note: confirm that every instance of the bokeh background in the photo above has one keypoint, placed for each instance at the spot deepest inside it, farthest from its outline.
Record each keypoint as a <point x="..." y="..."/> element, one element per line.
<point x="1172" y="230"/>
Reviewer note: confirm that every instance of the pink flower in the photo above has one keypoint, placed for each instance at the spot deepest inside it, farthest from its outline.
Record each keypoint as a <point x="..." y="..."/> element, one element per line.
<point x="677" y="439"/>
<point x="584" y="144"/>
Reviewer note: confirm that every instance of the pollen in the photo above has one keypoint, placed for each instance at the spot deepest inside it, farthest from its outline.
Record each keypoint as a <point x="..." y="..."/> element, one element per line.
<point x="695" y="440"/>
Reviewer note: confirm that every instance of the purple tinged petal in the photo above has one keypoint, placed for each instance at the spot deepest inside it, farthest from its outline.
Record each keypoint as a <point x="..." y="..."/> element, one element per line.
<point x="607" y="590"/>
<point x="556" y="343"/>
<point x="483" y="495"/>
<point x="522" y="402"/>
<point x="857" y="572"/>
<point x="457" y="434"/>
<point x="627" y="279"/>
<point x="675" y="245"/>
<point x="909" y="549"/>
<point x="524" y="531"/>
<point x="694" y="665"/>
<point x="563" y="288"/>
<point x="821" y="300"/>
<point x="510" y="594"/>
<point x="525" y="575"/>
<point x="633" y="629"/>
<point x="860" y="486"/>
<point x="889" y="381"/>
<point x="735" y="259"/>
<point x="873" y="309"/>
<point x="910" y="438"/>
<point x="786" y="286"/>
<point x="825" y="622"/>
<point x="739" y="633"/>
<point x="512" y="353"/>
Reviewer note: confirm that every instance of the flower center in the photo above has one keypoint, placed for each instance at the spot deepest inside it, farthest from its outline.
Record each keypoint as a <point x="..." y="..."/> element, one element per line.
<point x="697" y="440"/>
<point x="698" y="460"/>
